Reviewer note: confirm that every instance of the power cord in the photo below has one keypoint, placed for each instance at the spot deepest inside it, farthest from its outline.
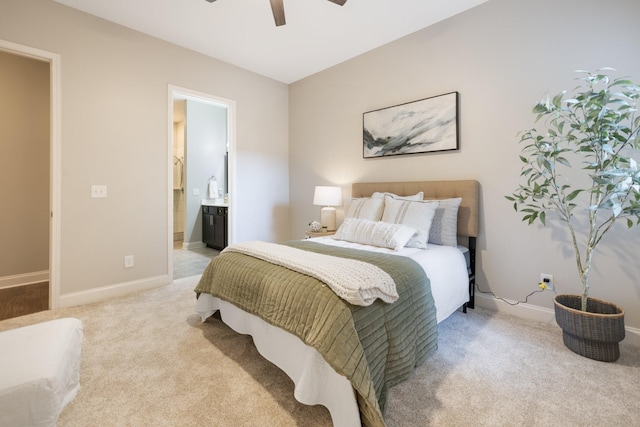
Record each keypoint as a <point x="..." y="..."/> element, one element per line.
<point x="542" y="285"/>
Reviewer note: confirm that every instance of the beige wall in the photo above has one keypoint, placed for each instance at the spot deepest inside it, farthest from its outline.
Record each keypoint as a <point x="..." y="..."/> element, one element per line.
<point x="24" y="165"/>
<point x="114" y="96"/>
<point x="501" y="57"/>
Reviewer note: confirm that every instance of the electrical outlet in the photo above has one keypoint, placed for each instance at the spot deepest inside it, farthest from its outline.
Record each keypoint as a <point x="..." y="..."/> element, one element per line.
<point x="98" y="191"/>
<point x="128" y="261"/>
<point x="547" y="279"/>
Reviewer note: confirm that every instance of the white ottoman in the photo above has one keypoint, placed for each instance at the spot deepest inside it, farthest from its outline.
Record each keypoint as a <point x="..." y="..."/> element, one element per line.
<point x="39" y="372"/>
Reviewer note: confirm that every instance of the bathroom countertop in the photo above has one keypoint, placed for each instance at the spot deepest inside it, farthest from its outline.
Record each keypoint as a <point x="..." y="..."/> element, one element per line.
<point x="215" y="202"/>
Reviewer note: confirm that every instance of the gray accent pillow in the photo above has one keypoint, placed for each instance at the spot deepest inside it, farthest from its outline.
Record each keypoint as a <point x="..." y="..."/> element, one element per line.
<point x="444" y="226"/>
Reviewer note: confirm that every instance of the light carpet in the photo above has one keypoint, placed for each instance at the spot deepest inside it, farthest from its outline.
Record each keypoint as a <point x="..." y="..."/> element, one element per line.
<point x="148" y="360"/>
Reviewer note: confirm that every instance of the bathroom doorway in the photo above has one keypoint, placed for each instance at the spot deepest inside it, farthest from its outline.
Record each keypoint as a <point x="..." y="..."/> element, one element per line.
<point x="202" y="147"/>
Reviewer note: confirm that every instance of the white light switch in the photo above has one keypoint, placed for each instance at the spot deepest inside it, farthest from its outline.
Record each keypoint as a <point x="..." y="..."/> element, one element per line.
<point x="196" y="191"/>
<point x="98" y="191"/>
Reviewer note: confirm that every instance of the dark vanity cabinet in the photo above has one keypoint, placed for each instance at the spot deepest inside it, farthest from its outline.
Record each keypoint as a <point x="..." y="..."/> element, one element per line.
<point x="214" y="226"/>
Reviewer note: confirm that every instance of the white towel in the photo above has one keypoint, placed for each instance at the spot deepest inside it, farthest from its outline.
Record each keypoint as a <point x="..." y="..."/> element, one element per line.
<point x="213" y="188"/>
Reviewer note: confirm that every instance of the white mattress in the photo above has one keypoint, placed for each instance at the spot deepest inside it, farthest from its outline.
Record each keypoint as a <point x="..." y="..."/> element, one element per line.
<point x="39" y="372"/>
<point x="316" y="383"/>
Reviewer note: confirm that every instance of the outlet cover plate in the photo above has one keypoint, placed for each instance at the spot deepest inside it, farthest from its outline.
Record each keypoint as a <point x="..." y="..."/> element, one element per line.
<point x="128" y="261"/>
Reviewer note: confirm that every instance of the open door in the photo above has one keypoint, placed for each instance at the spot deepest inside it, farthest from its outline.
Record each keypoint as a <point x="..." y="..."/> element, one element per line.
<point x="29" y="180"/>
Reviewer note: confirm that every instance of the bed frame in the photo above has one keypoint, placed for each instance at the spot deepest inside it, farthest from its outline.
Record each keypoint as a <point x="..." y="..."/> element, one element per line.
<point x="467" y="213"/>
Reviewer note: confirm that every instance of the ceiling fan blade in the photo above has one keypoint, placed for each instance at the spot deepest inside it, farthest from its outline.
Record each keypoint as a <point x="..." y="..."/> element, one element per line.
<point x="278" y="12"/>
<point x="340" y="2"/>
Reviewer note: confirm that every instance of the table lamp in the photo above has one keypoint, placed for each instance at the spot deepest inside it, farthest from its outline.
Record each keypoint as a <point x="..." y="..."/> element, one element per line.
<point x="328" y="197"/>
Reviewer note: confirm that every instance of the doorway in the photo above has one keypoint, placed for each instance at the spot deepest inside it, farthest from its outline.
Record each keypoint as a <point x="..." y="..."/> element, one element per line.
<point x="201" y="148"/>
<point x="38" y="277"/>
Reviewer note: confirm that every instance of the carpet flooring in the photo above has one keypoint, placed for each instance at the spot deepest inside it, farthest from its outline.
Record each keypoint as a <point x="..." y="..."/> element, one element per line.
<point x="149" y="360"/>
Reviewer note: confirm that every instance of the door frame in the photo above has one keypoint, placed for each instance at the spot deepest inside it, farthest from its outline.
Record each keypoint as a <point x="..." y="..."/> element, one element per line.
<point x="54" y="158"/>
<point x="182" y="92"/>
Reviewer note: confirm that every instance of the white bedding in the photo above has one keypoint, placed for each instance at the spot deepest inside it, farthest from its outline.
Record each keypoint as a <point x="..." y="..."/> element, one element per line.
<point x="445" y="266"/>
<point x="315" y="381"/>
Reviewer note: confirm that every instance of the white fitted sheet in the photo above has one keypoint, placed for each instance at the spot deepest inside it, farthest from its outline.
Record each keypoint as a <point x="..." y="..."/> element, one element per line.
<point x="316" y="383"/>
<point x="39" y="371"/>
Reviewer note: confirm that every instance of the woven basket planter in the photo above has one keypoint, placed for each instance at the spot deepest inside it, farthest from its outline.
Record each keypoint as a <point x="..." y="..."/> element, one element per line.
<point x="594" y="333"/>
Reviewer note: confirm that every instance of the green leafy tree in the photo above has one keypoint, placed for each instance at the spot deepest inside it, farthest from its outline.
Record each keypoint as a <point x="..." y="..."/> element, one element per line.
<point x="594" y="128"/>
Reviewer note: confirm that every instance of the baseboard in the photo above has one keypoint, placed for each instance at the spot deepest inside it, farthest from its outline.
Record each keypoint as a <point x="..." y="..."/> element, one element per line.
<point x="112" y="291"/>
<point x="193" y="245"/>
<point x="632" y="336"/>
<point x="24" y="279"/>
<point x="540" y="314"/>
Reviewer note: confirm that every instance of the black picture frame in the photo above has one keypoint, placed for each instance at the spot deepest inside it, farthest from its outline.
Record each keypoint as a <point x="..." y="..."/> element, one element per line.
<point x="423" y="126"/>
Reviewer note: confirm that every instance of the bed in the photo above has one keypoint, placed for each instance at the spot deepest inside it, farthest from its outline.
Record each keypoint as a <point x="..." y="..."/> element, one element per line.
<point x="344" y="352"/>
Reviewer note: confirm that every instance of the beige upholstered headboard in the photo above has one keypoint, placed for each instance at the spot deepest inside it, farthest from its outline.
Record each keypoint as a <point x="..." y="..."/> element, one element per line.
<point x="467" y="189"/>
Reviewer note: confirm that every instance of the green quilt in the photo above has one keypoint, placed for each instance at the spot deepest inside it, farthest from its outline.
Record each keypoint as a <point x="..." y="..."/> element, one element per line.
<point x="375" y="347"/>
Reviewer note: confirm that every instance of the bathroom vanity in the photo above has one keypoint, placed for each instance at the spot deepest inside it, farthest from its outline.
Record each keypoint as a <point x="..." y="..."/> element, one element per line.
<point x="214" y="223"/>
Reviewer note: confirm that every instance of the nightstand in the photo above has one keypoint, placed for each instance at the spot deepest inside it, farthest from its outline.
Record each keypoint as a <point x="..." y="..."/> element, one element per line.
<point x="310" y="233"/>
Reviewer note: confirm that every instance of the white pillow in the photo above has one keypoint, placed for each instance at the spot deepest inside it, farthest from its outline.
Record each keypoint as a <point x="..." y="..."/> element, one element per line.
<point x="366" y="208"/>
<point x="415" y="214"/>
<point x="444" y="227"/>
<point x="379" y="195"/>
<point x="374" y="233"/>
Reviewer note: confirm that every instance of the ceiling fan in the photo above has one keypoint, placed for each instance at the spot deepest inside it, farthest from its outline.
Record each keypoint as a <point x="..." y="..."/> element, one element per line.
<point x="277" y="7"/>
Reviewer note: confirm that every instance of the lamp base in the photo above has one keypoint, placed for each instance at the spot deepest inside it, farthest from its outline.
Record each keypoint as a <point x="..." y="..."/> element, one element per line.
<point x="328" y="218"/>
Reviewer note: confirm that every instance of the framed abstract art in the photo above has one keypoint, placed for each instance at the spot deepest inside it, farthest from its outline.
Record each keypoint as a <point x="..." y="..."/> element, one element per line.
<point x="423" y="126"/>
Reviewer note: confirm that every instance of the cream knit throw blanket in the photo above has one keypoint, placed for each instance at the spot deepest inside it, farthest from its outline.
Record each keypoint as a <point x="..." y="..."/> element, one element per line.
<point x="357" y="282"/>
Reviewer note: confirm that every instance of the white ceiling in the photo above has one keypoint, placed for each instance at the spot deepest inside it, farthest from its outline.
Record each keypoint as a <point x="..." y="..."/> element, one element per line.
<point x="318" y="33"/>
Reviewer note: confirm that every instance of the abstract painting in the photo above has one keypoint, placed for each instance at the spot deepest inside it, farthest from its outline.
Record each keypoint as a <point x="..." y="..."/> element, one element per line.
<point x="420" y="126"/>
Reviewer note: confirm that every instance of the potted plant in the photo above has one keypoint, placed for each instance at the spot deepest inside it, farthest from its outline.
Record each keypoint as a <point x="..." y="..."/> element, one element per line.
<point x="594" y="132"/>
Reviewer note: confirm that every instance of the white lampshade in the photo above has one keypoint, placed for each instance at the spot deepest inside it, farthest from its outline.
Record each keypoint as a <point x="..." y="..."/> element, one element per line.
<point x="328" y="197"/>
